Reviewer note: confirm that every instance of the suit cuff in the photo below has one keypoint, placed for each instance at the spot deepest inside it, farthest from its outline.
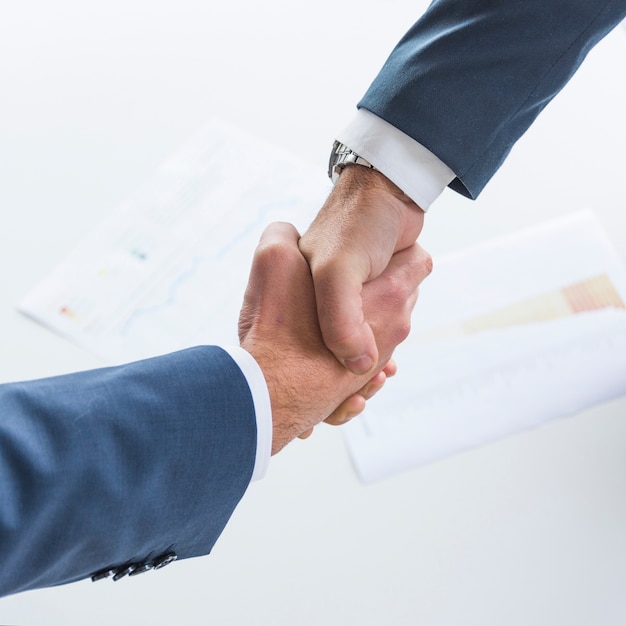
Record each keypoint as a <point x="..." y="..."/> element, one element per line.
<point x="416" y="170"/>
<point x="262" y="407"/>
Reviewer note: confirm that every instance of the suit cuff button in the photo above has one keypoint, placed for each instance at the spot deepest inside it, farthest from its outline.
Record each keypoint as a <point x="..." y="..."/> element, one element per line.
<point x="120" y="572"/>
<point x="164" y="559"/>
<point x="102" y="574"/>
<point x="140" y="568"/>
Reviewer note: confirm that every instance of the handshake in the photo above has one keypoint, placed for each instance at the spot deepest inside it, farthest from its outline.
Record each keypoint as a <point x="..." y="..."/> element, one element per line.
<point x="121" y="470"/>
<point x="322" y="314"/>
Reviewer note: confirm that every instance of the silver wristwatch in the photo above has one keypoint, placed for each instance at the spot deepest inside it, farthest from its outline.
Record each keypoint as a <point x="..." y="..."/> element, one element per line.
<point x="341" y="156"/>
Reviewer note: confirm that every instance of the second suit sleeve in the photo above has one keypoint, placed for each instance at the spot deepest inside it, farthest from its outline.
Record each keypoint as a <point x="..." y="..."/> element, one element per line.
<point x="470" y="77"/>
<point x="119" y="470"/>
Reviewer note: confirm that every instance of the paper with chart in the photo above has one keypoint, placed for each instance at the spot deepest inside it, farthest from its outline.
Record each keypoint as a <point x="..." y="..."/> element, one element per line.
<point x="506" y="336"/>
<point x="168" y="268"/>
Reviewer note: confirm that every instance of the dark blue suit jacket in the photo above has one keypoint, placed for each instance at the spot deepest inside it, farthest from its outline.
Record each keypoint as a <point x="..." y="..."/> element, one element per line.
<point x="471" y="76"/>
<point x="119" y="470"/>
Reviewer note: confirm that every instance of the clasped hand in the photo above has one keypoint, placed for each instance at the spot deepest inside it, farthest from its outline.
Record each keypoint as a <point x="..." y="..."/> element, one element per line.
<point x="279" y="326"/>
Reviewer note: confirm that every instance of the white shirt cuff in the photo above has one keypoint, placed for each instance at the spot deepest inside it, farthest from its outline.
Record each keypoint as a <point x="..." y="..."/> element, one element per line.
<point x="416" y="170"/>
<point x="262" y="407"/>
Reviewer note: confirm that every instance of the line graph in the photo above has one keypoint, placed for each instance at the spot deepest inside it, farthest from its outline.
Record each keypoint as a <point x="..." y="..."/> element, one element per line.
<point x="168" y="268"/>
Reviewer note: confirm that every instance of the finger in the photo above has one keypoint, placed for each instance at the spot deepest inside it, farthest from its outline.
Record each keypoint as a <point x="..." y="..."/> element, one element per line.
<point x="414" y="264"/>
<point x="340" y="311"/>
<point x="390" y="369"/>
<point x="306" y="434"/>
<point x="373" y="386"/>
<point x="389" y="300"/>
<point x="349" y="408"/>
<point x="354" y="405"/>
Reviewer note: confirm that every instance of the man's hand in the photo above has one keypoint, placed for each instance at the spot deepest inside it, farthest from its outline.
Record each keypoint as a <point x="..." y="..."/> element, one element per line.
<point x="279" y="327"/>
<point x="365" y="220"/>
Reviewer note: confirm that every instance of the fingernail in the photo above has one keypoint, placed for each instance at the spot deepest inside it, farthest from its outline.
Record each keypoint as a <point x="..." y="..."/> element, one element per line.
<point x="360" y="365"/>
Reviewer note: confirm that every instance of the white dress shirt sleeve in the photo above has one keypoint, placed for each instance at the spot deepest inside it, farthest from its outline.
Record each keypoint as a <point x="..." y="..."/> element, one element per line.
<point x="418" y="172"/>
<point x="262" y="407"/>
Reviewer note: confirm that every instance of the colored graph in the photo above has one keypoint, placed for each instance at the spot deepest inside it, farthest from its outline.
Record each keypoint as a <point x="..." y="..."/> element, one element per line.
<point x="168" y="268"/>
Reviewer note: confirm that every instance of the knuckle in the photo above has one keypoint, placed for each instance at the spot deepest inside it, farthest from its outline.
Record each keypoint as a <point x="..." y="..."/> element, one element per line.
<point x="421" y="266"/>
<point x="273" y="254"/>
<point x="427" y="262"/>
<point x="398" y="289"/>
<point x="402" y="330"/>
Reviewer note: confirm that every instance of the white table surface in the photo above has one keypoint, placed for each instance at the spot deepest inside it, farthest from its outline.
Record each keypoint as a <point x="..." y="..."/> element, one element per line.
<point x="529" y="530"/>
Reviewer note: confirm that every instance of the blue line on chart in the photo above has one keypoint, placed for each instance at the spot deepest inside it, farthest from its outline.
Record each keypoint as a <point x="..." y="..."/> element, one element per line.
<point x="196" y="262"/>
<point x="169" y="299"/>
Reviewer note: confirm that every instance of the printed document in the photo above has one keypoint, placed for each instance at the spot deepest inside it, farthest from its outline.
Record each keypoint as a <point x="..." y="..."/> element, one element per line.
<point x="506" y="336"/>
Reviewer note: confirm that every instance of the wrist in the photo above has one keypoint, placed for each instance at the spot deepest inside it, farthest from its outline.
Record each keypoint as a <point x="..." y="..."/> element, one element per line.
<point x="370" y="186"/>
<point x="342" y="157"/>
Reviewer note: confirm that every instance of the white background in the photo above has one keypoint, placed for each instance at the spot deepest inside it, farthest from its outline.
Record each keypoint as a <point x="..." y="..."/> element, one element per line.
<point x="530" y="530"/>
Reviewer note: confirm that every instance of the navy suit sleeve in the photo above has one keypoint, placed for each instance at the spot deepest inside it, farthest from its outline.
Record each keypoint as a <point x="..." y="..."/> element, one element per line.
<point x="471" y="76"/>
<point x="122" y="468"/>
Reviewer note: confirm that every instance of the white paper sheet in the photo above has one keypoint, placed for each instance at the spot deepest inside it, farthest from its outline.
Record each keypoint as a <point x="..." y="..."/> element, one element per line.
<point x="168" y="268"/>
<point x="506" y="336"/>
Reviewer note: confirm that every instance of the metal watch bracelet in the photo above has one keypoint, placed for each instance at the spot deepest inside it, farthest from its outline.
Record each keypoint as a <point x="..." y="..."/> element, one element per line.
<point x="341" y="156"/>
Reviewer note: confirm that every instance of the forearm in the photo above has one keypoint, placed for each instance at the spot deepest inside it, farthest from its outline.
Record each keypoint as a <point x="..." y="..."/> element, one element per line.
<point x="121" y="465"/>
<point x="470" y="77"/>
<point x="405" y="162"/>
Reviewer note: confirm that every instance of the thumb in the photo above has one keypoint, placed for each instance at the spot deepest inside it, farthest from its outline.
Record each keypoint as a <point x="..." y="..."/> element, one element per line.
<point x="338" y="292"/>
